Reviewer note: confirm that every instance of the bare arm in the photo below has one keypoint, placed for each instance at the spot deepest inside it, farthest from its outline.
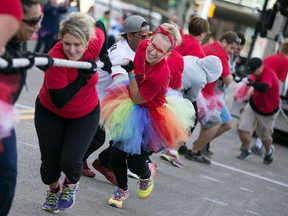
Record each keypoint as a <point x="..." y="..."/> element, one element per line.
<point x="227" y="79"/>
<point x="9" y="26"/>
<point x="134" y="90"/>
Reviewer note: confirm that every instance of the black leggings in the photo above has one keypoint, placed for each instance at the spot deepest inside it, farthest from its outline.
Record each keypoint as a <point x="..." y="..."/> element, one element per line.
<point x="136" y="163"/>
<point x="97" y="141"/>
<point x="194" y="103"/>
<point x="63" y="142"/>
<point x="104" y="156"/>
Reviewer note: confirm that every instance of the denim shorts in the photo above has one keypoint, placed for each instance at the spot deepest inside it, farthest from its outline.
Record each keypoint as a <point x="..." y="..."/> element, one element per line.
<point x="225" y="115"/>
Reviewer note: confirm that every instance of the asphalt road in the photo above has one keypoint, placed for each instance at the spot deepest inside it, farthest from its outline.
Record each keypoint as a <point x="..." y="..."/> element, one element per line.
<point x="227" y="187"/>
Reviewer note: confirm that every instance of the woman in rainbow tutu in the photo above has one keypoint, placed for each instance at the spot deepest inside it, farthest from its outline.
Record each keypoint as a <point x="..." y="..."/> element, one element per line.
<point x="143" y="116"/>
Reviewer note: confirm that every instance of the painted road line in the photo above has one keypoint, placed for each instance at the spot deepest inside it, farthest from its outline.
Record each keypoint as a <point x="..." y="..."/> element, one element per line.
<point x="249" y="174"/>
<point x="25" y="113"/>
<point x="26" y="117"/>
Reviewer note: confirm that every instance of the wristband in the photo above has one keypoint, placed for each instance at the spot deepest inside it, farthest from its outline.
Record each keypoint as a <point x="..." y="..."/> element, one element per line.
<point x="132" y="76"/>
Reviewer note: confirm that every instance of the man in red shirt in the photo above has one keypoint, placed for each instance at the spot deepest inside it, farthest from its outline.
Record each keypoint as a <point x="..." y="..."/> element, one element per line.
<point x="262" y="110"/>
<point x="198" y="29"/>
<point x="218" y="123"/>
<point x="279" y="62"/>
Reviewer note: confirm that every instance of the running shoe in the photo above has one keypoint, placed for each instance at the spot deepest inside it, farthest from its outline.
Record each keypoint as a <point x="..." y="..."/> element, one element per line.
<point x="146" y="185"/>
<point x="67" y="199"/>
<point x="52" y="200"/>
<point x="118" y="197"/>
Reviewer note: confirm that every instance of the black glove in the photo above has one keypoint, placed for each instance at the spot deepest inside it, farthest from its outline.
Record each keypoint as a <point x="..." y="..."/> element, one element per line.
<point x="236" y="78"/>
<point x="49" y="64"/>
<point x="249" y="82"/>
<point x="107" y="64"/>
<point x="90" y="71"/>
<point x="129" y="67"/>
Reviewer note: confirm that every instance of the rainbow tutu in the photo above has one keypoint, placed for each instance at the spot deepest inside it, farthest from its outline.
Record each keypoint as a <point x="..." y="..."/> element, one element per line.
<point x="151" y="129"/>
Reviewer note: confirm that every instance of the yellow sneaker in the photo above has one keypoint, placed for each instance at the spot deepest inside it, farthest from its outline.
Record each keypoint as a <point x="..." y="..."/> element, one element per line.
<point x="146" y="185"/>
<point x="118" y="197"/>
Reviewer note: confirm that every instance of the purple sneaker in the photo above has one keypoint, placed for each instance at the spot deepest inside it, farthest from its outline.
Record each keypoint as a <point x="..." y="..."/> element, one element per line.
<point x="67" y="198"/>
<point x="52" y="201"/>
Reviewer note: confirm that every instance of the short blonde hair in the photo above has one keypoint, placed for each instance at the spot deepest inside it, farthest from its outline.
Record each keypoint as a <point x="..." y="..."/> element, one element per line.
<point x="174" y="32"/>
<point x="79" y="25"/>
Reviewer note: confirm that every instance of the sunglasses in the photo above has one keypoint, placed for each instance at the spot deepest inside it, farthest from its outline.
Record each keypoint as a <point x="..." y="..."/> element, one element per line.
<point x="144" y="36"/>
<point x="33" y="21"/>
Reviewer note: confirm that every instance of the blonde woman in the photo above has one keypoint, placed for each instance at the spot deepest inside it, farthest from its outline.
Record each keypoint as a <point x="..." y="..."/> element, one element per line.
<point x="138" y="119"/>
<point x="68" y="105"/>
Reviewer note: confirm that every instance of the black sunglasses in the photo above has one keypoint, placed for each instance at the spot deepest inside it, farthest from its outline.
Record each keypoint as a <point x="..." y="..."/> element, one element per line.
<point x="144" y="36"/>
<point x="33" y="21"/>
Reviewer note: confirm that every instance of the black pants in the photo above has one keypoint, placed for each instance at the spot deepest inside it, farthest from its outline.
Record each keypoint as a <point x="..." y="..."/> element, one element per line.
<point x="8" y="172"/>
<point x="136" y="163"/>
<point x="63" y="143"/>
<point x="194" y="103"/>
<point x="104" y="156"/>
<point x="97" y="141"/>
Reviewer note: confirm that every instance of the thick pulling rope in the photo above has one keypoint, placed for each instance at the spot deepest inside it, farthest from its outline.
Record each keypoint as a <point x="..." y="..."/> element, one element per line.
<point x="43" y="61"/>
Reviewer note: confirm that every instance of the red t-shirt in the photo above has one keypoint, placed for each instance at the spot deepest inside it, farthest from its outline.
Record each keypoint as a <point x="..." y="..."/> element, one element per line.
<point x="86" y="99"/>
<point x="279" y="63"/>
<point x="176" y="66"/>
<point x="270" y="100"/>
<point x="12" y="7"/>
<point x="190" y="46"/>
<point x="152" y="80"/>
<point x="216" y="50"/>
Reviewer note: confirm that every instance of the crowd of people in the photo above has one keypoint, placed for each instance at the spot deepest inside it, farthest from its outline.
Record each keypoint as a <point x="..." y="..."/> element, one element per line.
<point x="149" y="105"/>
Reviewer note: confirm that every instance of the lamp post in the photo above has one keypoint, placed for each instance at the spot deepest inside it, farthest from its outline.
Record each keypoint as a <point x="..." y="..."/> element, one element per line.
<point x="256" y="32"/>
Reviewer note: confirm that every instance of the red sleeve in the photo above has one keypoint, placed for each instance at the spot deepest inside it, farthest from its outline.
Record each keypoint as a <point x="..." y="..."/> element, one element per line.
<point x="12" y="7"/>
<point x="279" y="64"/>
<point x="225" y="65"/>
<point x="95" y="45"/>
<point x="215" y="49"/>
<point x="176" y="66"/>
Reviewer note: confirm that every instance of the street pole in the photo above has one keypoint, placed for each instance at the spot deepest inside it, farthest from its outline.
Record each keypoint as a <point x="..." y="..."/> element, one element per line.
<point x="256" y="32"/>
